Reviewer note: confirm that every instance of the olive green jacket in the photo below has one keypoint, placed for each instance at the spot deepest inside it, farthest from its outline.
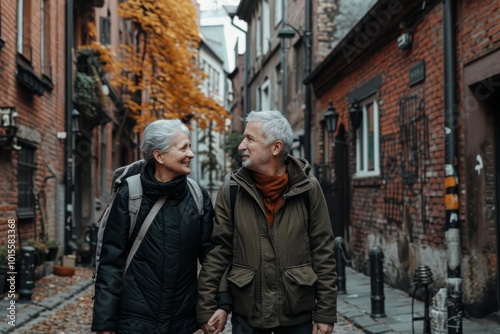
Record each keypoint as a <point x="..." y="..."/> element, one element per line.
<point x="281" y="276"/>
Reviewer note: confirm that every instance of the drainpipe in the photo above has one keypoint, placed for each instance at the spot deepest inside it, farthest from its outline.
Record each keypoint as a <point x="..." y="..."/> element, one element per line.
<point x="452" y="226"/>
<point x="246" y="105"/>
<point x="68" y="108"/>
<point x="307" y="72"/>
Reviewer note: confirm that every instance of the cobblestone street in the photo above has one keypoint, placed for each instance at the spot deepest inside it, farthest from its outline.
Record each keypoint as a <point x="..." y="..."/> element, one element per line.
<point x="74" y="317"/>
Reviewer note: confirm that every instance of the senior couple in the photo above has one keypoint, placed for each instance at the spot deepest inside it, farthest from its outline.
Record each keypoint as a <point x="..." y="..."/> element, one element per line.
<point x="266" y="250"/>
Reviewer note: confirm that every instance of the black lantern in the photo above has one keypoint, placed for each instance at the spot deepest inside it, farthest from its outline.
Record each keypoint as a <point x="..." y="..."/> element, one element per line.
<point x="75" y="122"/>
<point x="356" y="114"/>
<point x="331" y="118"/>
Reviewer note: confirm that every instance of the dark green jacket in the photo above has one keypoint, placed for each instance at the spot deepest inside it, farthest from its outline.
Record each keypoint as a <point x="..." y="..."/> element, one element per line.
<point x="158" y="293"/>
<point x="278" y="277"/>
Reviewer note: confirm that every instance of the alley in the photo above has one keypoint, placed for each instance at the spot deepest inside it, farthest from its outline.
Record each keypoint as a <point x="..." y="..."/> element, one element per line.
<point x="75" y="315"/>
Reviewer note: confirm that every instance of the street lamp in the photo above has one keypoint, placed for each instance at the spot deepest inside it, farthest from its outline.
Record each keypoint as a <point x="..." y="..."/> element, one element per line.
<point x="331" y="118"/>
<point x="356" y="114"/>
<point x="75" y="122"/>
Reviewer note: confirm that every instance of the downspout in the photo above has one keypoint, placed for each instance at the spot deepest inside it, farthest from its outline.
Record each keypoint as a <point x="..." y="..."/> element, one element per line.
<point x="68" y="107"/>
<point x="307" y="72"/>
<point x="452" y="225"/>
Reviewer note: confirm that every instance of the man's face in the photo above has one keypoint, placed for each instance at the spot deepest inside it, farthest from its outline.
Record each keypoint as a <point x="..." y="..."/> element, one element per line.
<point x="256" y="153"/>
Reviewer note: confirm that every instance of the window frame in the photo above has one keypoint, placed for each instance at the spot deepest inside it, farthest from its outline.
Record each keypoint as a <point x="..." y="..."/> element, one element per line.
<point x="362" y="153"/>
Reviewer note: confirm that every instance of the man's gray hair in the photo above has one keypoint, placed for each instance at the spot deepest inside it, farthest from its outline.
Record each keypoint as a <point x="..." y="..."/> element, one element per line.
<point x="274" y="127"/>
<point x="159" y="135"/>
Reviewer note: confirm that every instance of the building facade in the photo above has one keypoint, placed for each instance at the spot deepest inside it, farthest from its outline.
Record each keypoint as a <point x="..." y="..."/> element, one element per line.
<point x="415" y="154"/>
<point x="32" y="129"/>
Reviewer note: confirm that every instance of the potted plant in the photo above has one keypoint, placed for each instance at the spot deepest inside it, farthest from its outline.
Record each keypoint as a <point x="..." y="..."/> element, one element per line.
<point x="52" y="249"/>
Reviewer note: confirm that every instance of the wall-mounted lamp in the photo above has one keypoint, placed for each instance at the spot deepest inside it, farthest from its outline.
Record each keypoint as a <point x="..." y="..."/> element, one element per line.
<point x="356" y="114"/>
<point x="75" y="122"/>
<point x="404" y="40"/>
<point x="8" y="127"/>
<point x="331" y="118"/>
<point x="286" y="32"/>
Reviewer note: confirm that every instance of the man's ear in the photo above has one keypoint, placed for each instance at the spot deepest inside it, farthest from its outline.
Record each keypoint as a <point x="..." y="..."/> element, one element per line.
<point x="277" y="148"/>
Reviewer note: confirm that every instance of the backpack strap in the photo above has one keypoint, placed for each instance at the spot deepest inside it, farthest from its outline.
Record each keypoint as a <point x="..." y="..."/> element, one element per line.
<point x="195" y="191"/>
<point x="134" y="199"/>
<point x="233" y="190"/>
<point x="144" y="228"/>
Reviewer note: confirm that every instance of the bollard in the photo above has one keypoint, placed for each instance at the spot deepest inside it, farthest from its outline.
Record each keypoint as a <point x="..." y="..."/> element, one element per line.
<point x="340" y="258"/>
<point x="377" y="282"/>
<point x="27" y="274"/>
<point x="422" y="278"/>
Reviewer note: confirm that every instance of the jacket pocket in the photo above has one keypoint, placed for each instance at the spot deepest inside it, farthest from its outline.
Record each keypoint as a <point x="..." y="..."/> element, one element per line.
<point x="242" y="285"/>
<point x="299" y="289"/>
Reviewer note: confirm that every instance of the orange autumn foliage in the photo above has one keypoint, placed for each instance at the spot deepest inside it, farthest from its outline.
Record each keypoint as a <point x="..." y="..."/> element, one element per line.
<point x="162" y="69"/>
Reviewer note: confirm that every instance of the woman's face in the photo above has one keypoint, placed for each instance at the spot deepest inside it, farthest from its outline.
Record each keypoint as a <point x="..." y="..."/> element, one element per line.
<point x="177" y="161"/>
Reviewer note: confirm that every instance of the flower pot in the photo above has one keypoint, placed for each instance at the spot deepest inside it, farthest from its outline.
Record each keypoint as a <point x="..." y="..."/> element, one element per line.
<point x="64" y="271"/>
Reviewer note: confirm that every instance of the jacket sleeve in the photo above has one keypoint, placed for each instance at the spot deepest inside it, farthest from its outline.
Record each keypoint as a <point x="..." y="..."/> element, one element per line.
<point x="207" y="225"/>
<point x="217" y="259"/>
<point x="108" y="285"/>
<point x="323" y="256"/>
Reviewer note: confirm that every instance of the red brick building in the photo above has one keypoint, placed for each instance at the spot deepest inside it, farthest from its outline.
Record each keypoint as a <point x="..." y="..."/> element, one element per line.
<point x="32" y="90"/>
<point x="395" y="184"/>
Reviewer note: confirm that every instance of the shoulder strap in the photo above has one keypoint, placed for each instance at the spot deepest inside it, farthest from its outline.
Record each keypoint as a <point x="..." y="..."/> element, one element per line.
<point x="195" y="191"/>
<point x="134" y="199"/>
<point x="233" y="190"/>
<point x="144" y="228"/>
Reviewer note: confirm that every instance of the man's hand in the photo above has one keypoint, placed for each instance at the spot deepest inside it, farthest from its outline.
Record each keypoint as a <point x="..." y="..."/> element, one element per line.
<point x="105" y="332"/>
<point x="321" y="328"/>
<point x="216" y="323"/>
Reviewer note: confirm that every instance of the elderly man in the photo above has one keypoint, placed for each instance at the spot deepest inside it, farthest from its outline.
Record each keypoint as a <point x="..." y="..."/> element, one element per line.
<point x="272" y="229"/>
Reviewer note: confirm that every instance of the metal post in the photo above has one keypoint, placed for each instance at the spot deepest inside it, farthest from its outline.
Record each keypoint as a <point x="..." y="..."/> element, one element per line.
<point x="27" y="274"/>
<point x="423" y="278"/>
<point x="340" y="258"/>
<point x="377" y="282"/>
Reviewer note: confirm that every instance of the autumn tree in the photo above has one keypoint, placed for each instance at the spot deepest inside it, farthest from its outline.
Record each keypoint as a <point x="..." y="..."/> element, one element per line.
<point x="160" y="73"/>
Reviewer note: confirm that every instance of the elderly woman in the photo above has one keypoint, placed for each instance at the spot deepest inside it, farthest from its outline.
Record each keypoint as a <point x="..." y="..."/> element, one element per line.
<point x="158" y="292"/>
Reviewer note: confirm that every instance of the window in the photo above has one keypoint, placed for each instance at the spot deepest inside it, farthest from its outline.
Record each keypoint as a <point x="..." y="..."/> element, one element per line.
<point x="23" y="43"/>
<point x="258" y="99"/>
<point x="299" y="65"/>
<point x="367" y="142"/>
<point x="266" y="95"/>
<point x="278" y="12"/>
<point x="258" y="38"/>
<point x="26" y="172"/>
<point x="105" y="31"/>
<point x="45" y="23"/>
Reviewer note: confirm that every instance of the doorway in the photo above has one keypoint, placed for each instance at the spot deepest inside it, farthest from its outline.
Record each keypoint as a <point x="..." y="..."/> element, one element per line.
<point x="341" y="186"/>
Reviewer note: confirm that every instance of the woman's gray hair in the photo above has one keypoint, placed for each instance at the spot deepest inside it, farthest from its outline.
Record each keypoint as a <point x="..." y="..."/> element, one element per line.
<point x="274" y="127"/>
<point x="159" y="135"/>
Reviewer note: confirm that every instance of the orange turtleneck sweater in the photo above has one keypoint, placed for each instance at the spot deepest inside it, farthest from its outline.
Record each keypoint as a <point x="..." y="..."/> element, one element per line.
<point x="271" y="188"/>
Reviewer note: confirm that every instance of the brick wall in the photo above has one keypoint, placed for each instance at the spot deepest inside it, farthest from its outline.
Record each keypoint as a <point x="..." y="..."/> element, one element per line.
<point x="40" y="117"/>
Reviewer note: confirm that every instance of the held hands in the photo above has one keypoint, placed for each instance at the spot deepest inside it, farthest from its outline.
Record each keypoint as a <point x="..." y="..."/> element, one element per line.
<point x="216" y="323"/>
<point x="321" y="328"/>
